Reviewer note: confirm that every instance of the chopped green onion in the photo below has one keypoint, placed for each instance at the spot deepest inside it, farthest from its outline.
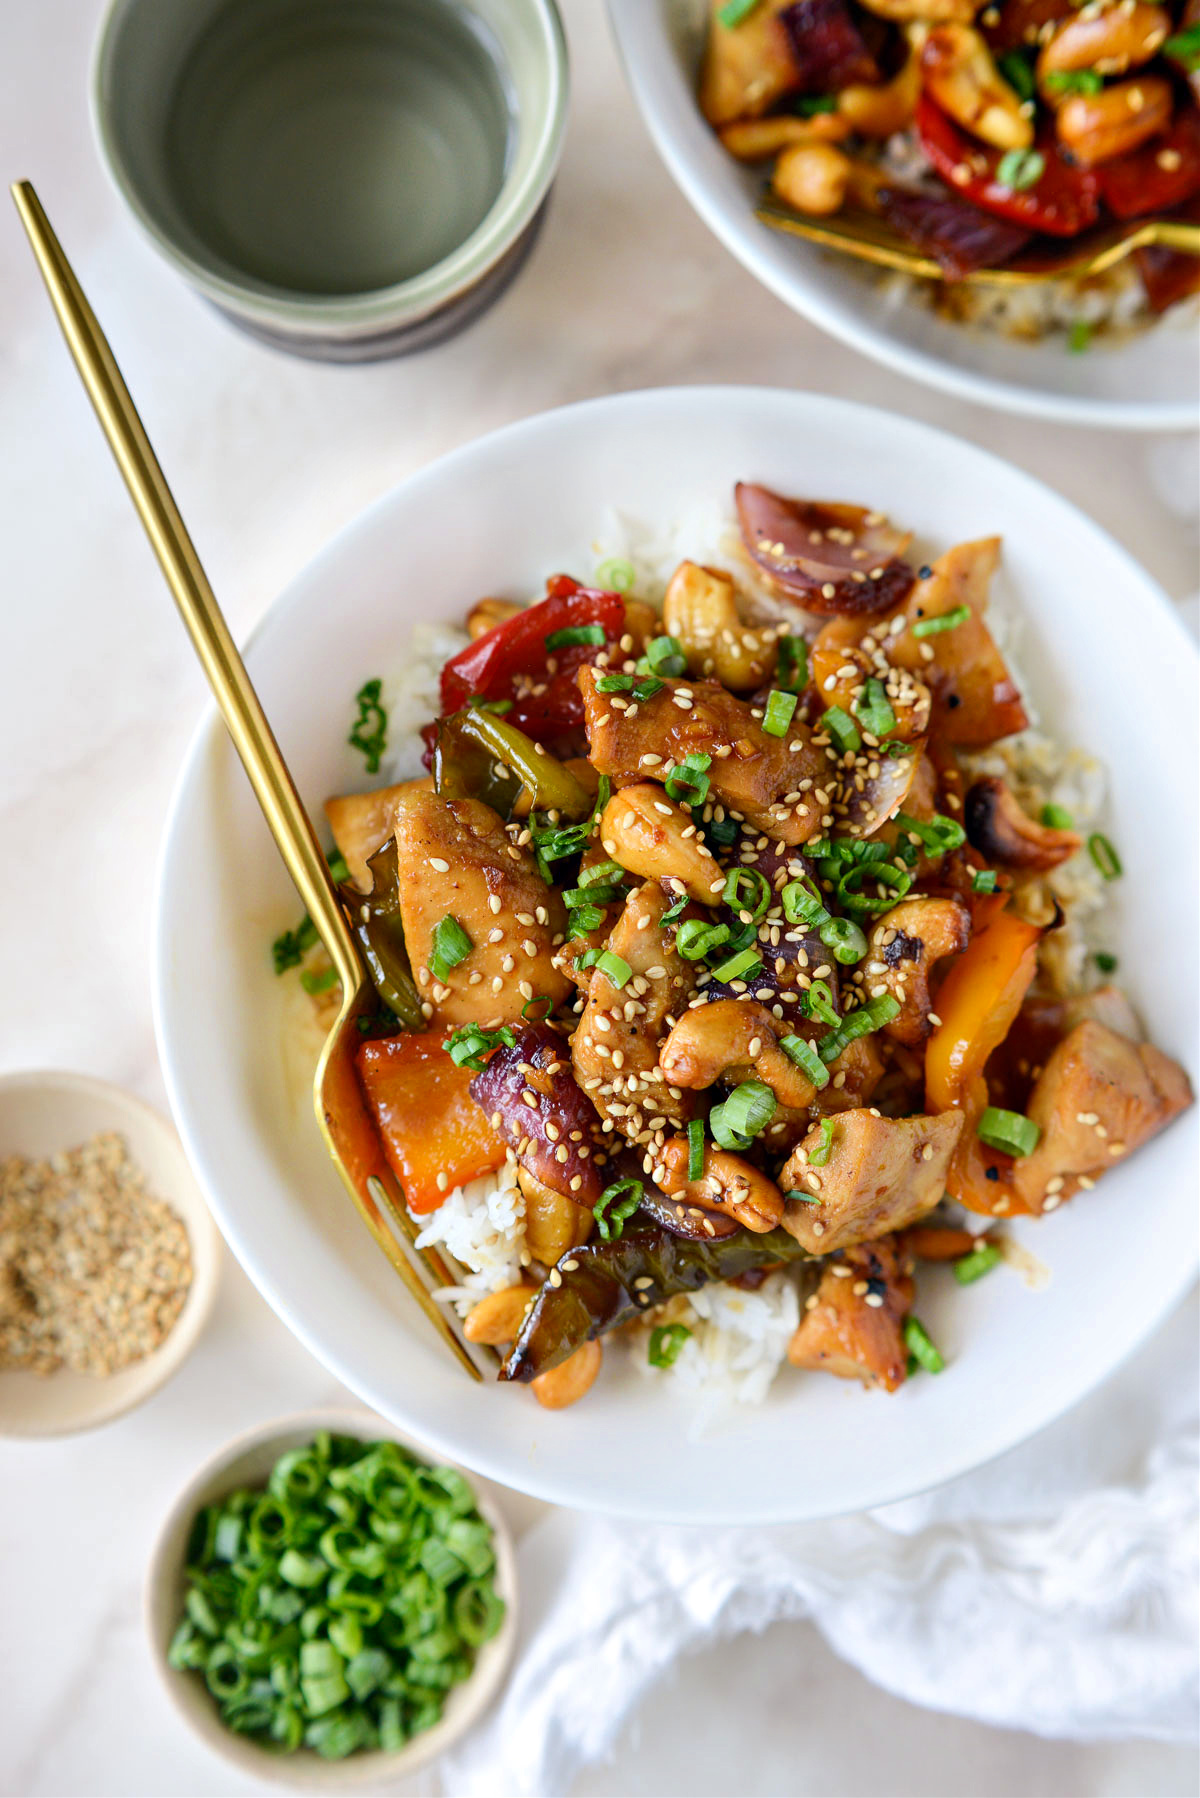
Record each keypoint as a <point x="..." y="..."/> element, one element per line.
<point x="339" y="868"/>
<point x="921" y="1346"/>
<point x="1079" y="337"/>
<point x="868" y="1018"/>
<point x="1019" y="169"/>
<point x="585" y="918"/>
<point x="574" y="897"/>
<point x="746" y="890"/>
<point x="806" y="1059"/>
<point x="791" y="673"/>
<point x="721" y="831"/>
<point x="615" y="967"/>
<point x="801" y="1197"/>
<point x="538" y="1009"/>
<point x="575" y="636"/>
<point x="1010" y="1131"/>
<point x="747" y="1111"/>
<point x="451" y="944"/>
<point x="1073" y="81"/>
<point x="695" y="1136"/>
<point x="819" y="1156"/>
<point x="885" y="874"/>
<point x="665" y="1344"/>
<point x="615" y="1204"/>
<point x="873" y="710"/>
<point x="664" y="655"/>
<point x="818" y="1003"/>
<point x="695" y="938"/>
<point x="318" y="982"/>
<point x="616" y="574"/>
<point x="1105" y="856"/>
<point x="289" y="949"/>
<point x="688" y="783"/>
<point x="676" y="910"/>
<point x="971" y="1267"/>
<point x="646" y="689"/>
<point x="939" y="836"/>
<point x="737" y="966"/>
<point x="842" y="733"/>
<point x="983" y="880"/>
<point x="802" y="906"/>
<point x="844" y="939"/>
<point x="1106" y="963"/>
<point x="369" y="732"/>
<point x="605" y="871"/>
<point x="470" y="1045"/>
<point x="809" y="105"/>
<point x="1017" y="72"/>
<point x="554" y="843"/>
<point x="778" y="714"/>
<point x="615" y="683"/>
<point x="1057" y="817"/>
<point x="734" y="11"/>
<point x="1184" y="48"/>
<point x="944" y="621"/>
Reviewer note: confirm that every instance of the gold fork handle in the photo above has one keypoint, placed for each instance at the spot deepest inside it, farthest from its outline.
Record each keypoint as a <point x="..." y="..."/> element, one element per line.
<point x="252" y="735"/>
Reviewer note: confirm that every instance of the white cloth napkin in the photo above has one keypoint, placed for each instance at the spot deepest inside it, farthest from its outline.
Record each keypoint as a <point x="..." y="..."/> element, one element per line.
<point x="1053" y="1591"/>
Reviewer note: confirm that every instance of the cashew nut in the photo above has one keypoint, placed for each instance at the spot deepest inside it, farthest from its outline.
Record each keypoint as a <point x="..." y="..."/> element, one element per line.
<point x="488" y="613"/>
<point x="1109" y="42"/>
<point x="1097" y="127"/>
<point x="651" y="836"/>
<point x="962" y="77"/>
<point x="753" y="140"/>
<point x="732" y="1039"/>
<point x="553" y="1223"/>
<point x="563" y="1385"/>
<point x="497" y="1317"/>
<point x="813" y="178"/>
<point x="700" y="610"/>
<point x="880" y="110"/>
<point x="904" y="947"/>
<point x="727" y="1184"/>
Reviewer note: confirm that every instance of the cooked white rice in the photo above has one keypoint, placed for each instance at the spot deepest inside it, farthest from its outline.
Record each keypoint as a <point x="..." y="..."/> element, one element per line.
<point x="738" y="1339"/>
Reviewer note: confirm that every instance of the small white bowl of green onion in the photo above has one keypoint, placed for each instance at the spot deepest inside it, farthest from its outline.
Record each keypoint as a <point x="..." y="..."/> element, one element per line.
<point x="326" y="1605"/>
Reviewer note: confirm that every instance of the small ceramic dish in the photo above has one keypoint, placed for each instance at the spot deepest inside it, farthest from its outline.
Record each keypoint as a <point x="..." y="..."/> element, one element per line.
<point x="349" y="179"/>
<point x="246" y="1461"/>
<point x="43" y="1114"/>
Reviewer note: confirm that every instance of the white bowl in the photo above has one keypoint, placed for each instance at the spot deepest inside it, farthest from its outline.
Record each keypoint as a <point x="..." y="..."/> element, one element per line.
<point x="246" y="1461"/>
<point x="1111" y="668"/>
<point x="1150" y="382"/>
<point x="42" y="1114"/>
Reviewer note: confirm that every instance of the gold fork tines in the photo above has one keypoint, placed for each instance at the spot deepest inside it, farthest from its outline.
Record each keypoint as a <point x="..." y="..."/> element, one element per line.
<point x="864" y="235"/>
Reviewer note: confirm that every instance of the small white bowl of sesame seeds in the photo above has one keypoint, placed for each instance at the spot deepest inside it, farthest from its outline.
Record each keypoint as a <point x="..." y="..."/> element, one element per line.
<point x="108" y="1255"/>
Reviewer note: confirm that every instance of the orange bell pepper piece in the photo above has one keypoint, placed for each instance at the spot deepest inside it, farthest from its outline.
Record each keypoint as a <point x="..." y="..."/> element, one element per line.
<point x="977" y="1002"/>
<point x="428" y="1121"/>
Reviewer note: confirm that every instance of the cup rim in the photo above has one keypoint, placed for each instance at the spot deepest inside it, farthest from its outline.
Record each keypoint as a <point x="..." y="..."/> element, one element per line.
<point x="403" y="302"/>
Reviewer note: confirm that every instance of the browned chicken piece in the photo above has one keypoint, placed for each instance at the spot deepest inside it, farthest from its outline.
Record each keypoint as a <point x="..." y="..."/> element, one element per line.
<point x="362" y="823"/>
<point x="904" y="948"/>
<point x="1098" y="1098"/>
<point x="455" y="859"/>
<point x="747" y="67"/>
<point x="553" y="1223"/>
<point x="854" y="1076"/>
<point x="728" y="1184"/>
<point x="777" y="788"/>
<point x="616" y="1045"/>
<point x="882" y="1174"/>
<point x="1001" y="831"/>
<point x="1108" y="1005"/>
<point x="853" y="1324"/>
<point x="975" y="699"/>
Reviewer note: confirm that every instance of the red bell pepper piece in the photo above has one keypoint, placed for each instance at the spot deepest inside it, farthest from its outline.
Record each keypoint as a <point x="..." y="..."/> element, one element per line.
<point x="1136" y="185"/>
<point x="1063" y="201"/>
<point x="511" y="660"/>
<point x="428" y="1122"/>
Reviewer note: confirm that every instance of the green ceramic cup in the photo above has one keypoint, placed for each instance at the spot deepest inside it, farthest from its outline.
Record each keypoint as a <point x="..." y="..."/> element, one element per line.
<point x="346" y="179"/>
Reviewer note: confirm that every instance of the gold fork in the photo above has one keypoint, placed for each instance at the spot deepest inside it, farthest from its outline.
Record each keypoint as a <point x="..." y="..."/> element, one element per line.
<point x="861" y="233"/>
<point x="346" y="1125"/>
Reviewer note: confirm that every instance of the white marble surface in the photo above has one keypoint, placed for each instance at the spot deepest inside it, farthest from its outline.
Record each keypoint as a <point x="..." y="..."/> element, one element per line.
<point x="268" y="456"/>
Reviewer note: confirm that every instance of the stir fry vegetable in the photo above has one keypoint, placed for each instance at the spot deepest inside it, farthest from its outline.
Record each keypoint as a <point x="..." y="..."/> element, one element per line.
<point x="714" y="929"/>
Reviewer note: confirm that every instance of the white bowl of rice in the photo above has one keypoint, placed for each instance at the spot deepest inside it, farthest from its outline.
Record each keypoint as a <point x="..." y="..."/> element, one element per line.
<point x="727" y="1433"/>
<point x="1143" y="379"/>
